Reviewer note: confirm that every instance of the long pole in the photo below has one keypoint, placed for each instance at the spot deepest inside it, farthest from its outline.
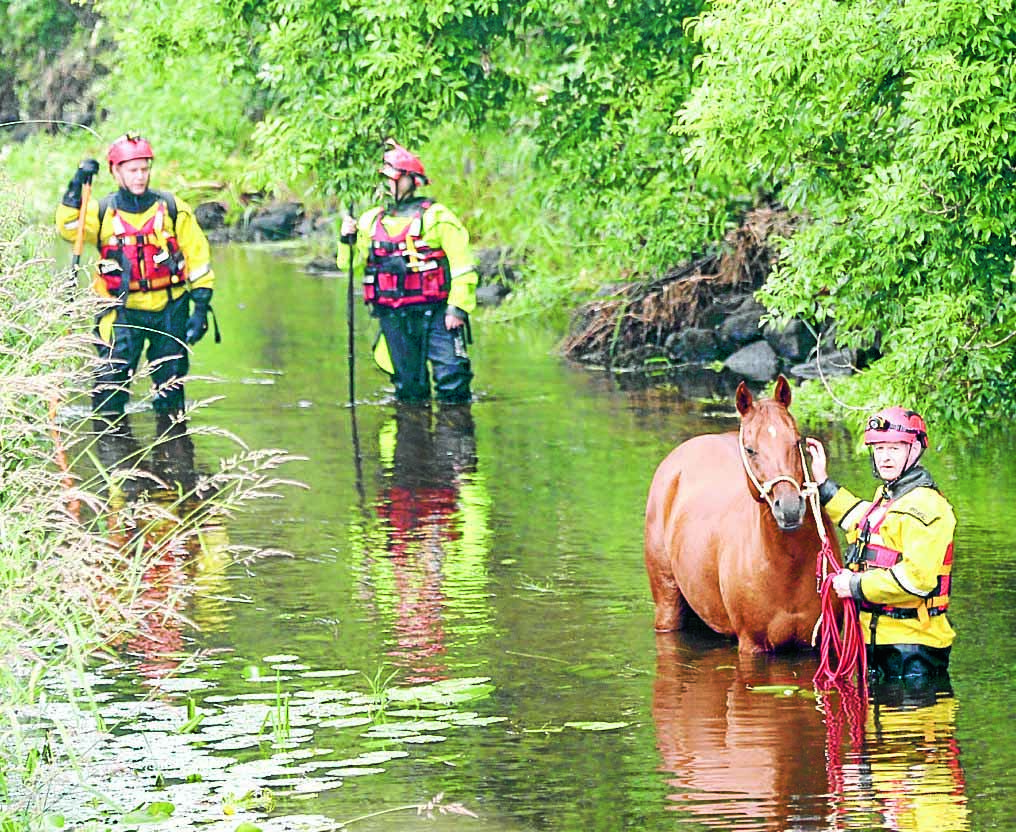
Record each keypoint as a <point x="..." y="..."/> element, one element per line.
<point x="350" y="309"/>
<point x="73" y="505"/>
<point x="79" y="233"/>
<point x="350" y="355"/>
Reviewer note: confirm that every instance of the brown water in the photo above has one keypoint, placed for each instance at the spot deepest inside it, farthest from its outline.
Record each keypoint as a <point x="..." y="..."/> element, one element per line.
<point x="497" y="551"/>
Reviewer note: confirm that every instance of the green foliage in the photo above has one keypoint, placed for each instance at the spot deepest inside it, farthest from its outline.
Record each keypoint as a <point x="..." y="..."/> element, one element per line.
<point x="598" y="84"/>
<point x="32" y="28"/>
<point x="604" y="140"/>
<point x="894" y="127"/>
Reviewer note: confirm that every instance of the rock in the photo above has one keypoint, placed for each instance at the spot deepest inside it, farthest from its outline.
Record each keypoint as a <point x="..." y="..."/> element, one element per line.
<point x="322" y="265"/>
<point x="757" y="362"/>
<point x="491" y="294"/>
<point x="276" y="222"/>
<point x="497" y="265"/>
<point x="693" y="345"/>
<point x="794" y="342"/>
<point x="210" y="215"/>
<point x="832" y="363"/>
<point x="740" y="328"/>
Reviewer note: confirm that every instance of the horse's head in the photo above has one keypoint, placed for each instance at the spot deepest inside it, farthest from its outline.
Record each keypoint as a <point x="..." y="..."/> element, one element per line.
<point x="771" y="452"/>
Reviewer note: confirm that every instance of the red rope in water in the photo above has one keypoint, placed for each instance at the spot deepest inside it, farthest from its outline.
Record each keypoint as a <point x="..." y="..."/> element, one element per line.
<point x="841" y="655"/>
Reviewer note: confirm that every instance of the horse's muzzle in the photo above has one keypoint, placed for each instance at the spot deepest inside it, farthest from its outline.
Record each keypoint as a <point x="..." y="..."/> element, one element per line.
<point x="789" y="512"/>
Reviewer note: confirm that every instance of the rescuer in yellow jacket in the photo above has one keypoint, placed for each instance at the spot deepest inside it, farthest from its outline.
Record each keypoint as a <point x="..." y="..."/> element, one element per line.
<point x="155" y="263"/>
<point x="419" y="282"/>
<point x="899" y="559"/>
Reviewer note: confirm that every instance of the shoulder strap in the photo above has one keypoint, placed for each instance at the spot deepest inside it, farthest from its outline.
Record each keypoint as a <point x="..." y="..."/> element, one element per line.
<point x="170" y="201"/>
<point x="104" y="205"/>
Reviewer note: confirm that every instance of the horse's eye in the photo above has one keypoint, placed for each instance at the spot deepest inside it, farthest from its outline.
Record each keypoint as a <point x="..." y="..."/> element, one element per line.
<point x="750" y="451"/>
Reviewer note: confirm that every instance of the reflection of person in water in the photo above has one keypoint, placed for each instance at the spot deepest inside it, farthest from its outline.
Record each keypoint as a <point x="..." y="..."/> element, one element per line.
<point x="150" y="489"/>
<point x="909" y="775"/>
<point x="165" y="467"/>
<point x="434" y="524"/>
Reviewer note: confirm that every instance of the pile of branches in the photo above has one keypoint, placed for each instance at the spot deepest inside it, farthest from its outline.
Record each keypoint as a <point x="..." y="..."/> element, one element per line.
<point x="631" y="325"/>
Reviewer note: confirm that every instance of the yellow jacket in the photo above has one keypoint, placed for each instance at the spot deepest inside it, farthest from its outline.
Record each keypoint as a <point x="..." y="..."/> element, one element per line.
<point x="920" y="525"/>
<point x="188" y="233"/>
<point x="441" y="229"/>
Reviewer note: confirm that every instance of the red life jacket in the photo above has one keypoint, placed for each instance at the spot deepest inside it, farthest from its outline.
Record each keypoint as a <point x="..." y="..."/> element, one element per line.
<point x="150" y="256"/>
<point x="402" y="270"/>
<point x="876" y="554"/>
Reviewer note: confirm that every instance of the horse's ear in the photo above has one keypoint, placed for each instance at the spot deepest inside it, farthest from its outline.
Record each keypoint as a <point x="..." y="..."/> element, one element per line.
<point x="743" y="398"/>
<point x="782" y="391"/>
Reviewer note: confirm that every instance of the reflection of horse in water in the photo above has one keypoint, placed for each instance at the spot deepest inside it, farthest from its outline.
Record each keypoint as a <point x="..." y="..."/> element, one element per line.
<point x="420" y="505"/>
<point x="149" y="491"/>
<point x="738" y="759"/>
<point x="729" y="534"/>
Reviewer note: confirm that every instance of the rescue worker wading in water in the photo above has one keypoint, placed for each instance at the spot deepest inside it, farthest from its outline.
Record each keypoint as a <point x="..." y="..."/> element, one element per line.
<point x="155" y="262"/>
<point x="899" y="561"/>
<point x="419" y="282"/>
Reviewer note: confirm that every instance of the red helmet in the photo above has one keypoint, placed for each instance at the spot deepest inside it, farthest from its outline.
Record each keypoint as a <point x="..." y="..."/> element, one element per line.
<point x="896" y="424"/>
<point x="398" y="160"/>
<point x="129" y="146"/>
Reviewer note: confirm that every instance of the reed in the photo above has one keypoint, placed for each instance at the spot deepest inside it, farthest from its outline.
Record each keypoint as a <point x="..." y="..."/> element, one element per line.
<point x="80" y="554"/>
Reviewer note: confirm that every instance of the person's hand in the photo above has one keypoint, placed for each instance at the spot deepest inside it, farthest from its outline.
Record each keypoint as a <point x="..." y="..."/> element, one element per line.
<point x="453" y="322"/>
<point x="819" y="462"/>
<point x="841" y="583"/>
<point x="347" y="234"/>
<point x="197" y="323"/>
<point x="86" y="170"/>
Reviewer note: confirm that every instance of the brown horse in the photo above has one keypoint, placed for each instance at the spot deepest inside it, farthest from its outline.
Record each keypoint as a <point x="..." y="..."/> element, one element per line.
<point x="729" y="532"/>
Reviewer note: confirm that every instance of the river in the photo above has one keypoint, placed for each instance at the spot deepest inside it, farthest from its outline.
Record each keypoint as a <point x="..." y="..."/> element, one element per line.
<point x="479" y="570"/>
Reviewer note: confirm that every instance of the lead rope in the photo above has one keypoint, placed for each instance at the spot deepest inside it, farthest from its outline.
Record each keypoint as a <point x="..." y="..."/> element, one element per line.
<point x="841" y="655"/>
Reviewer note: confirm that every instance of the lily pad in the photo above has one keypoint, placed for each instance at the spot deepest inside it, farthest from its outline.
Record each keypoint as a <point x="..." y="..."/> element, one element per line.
<point x="775" y="690"/>
<point x="597" y="726"/>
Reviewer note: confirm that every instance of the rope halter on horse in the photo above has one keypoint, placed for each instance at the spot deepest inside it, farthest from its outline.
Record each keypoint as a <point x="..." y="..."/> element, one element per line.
<point x="807" y="491"/>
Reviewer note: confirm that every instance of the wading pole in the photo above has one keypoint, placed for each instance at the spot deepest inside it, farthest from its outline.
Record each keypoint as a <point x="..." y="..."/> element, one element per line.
<point x="350" y="314"/>
<point x="350" y="309"/>
<point x="73" y="505"/>
<point x="79" y="233"/>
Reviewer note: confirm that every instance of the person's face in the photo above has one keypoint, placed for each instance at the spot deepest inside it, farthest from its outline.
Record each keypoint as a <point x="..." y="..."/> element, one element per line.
<point x="890" y="458"/>
<point x="400" y="188"/>
<point x="133" y="175"/>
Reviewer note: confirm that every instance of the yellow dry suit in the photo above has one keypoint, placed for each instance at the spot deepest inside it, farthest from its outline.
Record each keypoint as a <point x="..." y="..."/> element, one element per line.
<point x="901" y="543"/>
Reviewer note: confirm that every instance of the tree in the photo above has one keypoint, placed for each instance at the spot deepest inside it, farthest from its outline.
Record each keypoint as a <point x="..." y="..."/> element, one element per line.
<point x="893" y="126"/>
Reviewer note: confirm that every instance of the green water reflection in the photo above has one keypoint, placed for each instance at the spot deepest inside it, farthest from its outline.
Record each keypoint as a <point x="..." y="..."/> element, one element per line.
<point x="500" y="546"/>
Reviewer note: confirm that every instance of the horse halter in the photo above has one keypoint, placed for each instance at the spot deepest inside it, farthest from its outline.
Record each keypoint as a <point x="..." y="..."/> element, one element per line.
<point x="765" y="489"/>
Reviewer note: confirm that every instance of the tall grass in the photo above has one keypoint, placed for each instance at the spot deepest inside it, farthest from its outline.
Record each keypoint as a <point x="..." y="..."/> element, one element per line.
<point x="78" y="567"/>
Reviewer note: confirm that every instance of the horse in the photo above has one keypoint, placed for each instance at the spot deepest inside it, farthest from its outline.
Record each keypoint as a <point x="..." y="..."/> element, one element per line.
<point x="729" y="534"/>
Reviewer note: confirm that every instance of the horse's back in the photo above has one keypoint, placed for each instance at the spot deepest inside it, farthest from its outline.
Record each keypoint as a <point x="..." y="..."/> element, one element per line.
<point x="702" y="464"/>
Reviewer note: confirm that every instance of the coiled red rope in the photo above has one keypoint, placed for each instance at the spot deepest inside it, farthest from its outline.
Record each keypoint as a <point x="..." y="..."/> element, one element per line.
<point x="841" y="654"/>
<point x="843" y="662"/>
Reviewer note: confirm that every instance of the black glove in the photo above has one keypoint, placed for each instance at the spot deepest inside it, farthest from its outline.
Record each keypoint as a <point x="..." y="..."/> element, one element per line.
<point x="197" y="323"/>
<point x="86" y="170"/>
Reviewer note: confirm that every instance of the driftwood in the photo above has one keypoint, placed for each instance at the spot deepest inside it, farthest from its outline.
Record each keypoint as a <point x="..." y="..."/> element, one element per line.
<point x="632" y="324"/>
